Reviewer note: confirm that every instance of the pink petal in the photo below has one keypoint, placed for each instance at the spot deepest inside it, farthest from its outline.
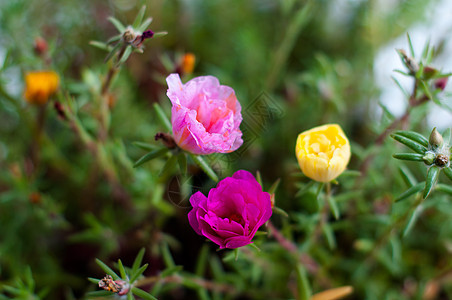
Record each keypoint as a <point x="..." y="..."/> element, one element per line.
<point x="205" y="115"/>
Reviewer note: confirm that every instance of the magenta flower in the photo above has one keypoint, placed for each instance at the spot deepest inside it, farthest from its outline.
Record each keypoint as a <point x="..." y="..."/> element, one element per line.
<point x="205" y="115"/>
<point x="232" y="212"/>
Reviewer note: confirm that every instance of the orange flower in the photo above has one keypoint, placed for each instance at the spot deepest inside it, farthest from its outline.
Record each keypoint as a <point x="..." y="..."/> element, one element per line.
<point x="40" y="85"/>
<point x="188" y="63"/>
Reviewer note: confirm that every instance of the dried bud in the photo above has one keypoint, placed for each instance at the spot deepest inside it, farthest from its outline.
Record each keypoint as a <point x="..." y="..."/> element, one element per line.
<point x="35" y="198"/>
<point x="129" y="35"/>
<point x="440" y="83"/>
<point x="436" y="139"/>
<point x="167" y="140"/>
<point x="116" y="286"/>
<point x="138" y="41"/>
<point x="409" y="62"/>
<point x="60" y="110"/>
<point x="429" y="72"/>
<point x="107" y="283"/>
<point x="134" y="38"/>
<point x="40" y="46"/>
<point x="272" y="200"/>
<point x="147" y="34"/>
<point x="402" y="53"/>
<point x="111" y="100"/>
<point x="441" y="160"/>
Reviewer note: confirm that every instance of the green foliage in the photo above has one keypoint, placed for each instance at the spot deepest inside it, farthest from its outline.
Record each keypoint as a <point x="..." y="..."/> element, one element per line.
<point x="124" y="284"/>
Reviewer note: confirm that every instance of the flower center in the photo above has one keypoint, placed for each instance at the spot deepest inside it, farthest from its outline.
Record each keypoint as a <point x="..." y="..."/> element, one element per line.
<point x="237" y="218"/>
<point x="210" y="115"/>
<point x="323" y="145"/>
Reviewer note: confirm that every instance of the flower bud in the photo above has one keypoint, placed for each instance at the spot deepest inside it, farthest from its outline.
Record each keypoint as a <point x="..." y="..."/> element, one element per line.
<point x="440" y="83"/>
<point x="188" y="63"/>
<point x="39" y="86"/>
<point x="60" y="110"/>
<point x="441" y="160"/>
<point x="436" y="139"/>
<point x="129" y="35"/>
<point x="323" y="152"/>
<point x="429" y="158"/>
<point x="35" y="198"/>
<point x="429" y="72"/>
<point x="167" y="140"/>
<point x="40" y="46"/>
<point x="138" y="41"/>
<point x="409" y="62"/>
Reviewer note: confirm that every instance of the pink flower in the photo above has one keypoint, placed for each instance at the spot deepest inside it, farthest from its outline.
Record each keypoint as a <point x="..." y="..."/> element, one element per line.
<point x="232" y="212"/>
<point x="205" y="115"/>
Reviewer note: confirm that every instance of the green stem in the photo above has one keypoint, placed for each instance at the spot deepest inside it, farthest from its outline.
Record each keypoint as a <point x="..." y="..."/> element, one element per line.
<point x="104" y="96"/>
<point x="297" y="23"/>
<point x="204" y="166"/>
<point x="111" y="72"/>
<point x="16" y="103"/>
<point x="292" y="248"/>
<point x="38" y="136"/>
<point x="208" y="285"/>
<point x="403" y="120"/>
<point x="383" y="239"/>
<point x="317" y="195"/>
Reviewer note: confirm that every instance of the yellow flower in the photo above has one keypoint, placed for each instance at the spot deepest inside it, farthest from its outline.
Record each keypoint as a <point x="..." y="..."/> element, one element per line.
<point x="323" y="152"/>
<point x="40" y="85"/>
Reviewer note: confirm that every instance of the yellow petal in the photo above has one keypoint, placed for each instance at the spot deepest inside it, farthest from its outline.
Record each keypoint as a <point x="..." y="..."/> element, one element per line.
<point x="40" y="85"/>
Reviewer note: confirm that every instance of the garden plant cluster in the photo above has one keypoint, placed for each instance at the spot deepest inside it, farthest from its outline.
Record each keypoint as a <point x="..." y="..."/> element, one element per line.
<point x="223" y="150"/>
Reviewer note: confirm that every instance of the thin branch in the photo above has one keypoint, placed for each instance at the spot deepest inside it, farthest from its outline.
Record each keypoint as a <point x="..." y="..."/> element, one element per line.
<point x="304" y="258"/>
<point x="205" y="284"/>
<point x="401" y="121"/>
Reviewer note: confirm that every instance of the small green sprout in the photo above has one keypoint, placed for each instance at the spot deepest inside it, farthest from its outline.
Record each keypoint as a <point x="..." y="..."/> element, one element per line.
<point x="130" y="38"/>
<point x="122" y="284"/>
<point x="434" y="152"/>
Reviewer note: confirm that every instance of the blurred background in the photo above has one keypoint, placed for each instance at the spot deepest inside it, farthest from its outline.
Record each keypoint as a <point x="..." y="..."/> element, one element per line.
<point x="306" y="62"/>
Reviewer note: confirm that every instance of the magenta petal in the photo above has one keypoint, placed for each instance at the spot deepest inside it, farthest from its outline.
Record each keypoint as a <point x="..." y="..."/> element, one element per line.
<point x="225" y="234"/>
<point x="266" y="213"/>
<point x="237" y="241"/>
<point x="232" y="212"/>
<point x="245" y="175"/>
<point x="213" y="237"/>
<point x="217" y="223"/>
<point x="198" y="201"/>
<point x="248" y="177"/>
<point x="253" y="214"/>
<point x="225" y="203"/>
